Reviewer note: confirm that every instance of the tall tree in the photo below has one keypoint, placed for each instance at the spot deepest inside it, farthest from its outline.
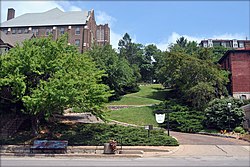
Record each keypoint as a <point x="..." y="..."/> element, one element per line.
<point x="120" y="76"/>
<point x="198" y="81"/>
<point x="48" y="76"/>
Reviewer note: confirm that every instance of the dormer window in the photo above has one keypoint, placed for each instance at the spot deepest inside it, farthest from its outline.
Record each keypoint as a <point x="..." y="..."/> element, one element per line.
<point x="62" y="30"/>
<point x="13" y="31"/>
<point x="20" y="31"/>
<point x="77" y="31"/>
<point x="48" y="32"/>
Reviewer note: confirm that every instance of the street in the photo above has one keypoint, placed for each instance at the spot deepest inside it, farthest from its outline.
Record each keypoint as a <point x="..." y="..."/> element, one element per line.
<point x="194" y="150"/>
<point x="167" y="161"/>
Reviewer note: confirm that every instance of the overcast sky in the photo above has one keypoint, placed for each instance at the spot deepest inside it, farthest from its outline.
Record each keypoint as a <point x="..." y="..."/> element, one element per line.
<point x="157" y="22"/>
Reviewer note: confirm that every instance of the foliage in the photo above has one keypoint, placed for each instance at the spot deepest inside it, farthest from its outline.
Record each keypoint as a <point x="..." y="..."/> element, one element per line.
<point x="193" y="74"/>
<point x="219" y="116"/>
<point x="139" y="57"/>
<point x="98" y="134"/>
<point x="189" y="121"/>
<point x="239" y="129"/>
<point x="47" y="76"/>
<point x="180" y="118"/>
<point x="120" y="76"/>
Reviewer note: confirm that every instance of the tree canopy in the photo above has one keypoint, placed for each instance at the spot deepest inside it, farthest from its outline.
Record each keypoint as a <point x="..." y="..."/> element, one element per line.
<point x="120" y="76"/>
<point x="47" y="76"/>
<point x="189" y="69"/>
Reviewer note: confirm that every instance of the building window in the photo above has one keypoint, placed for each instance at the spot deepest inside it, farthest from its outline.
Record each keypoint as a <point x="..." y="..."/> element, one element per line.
<point x="13" y="31"/>
<point x="235" y="43"/>
<point x="35" y="32"/>
<point x="243" y="97"/>
<point x="77" y="42"/>
<point x="77" y="32"/>
<point x="210" y="43"/>
<point x="100" y="35"/>
<point x="48" y="32"/>
<point x="5" y="31"/>
<point x="62" y="30"/>
<point x="20" y="31"/>
<point x="241" y="45"/>
<point x="205" y="44"/>
<point x="26" y="31"/>
<point x="223" y="44"/>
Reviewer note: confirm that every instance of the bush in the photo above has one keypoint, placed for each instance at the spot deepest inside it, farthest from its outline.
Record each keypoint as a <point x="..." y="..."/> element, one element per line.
<point x="219" y="116"/>
<point x="98" y="134"/>
<point x="239" y="129"/>
<point x="186" y="121"/>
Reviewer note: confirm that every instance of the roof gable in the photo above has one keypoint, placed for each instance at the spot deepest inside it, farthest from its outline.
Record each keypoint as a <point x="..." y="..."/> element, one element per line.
<point x="14" y="39"/>
<point x="52" y="17"/>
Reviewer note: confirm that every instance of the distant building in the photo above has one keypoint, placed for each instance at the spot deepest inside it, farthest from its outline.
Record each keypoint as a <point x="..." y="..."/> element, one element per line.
<point x="234" y="43"/>
<point x="238" y="63"/>
<point x="9" y="41"/>
<point x="80" y="26"/>
<point x="103" y="35"/>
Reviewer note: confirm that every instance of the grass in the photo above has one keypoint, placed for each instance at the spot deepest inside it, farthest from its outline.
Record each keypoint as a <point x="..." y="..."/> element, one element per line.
<point x="97" y="134"/>
<point x="148" y="95"/>
<point x="143" y="115"/>
<point x="135" y="115"/>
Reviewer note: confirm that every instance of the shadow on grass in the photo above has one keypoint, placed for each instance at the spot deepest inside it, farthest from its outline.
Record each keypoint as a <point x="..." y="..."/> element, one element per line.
<point x="163" y="94"/>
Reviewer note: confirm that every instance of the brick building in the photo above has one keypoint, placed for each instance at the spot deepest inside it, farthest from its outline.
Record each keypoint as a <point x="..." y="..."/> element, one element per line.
<point x="238" y="63"/>
<point x="234" y="43"/>
<point x="9" y="41"/>
<point x="103" y="34"/>
<point x="80" y="26"/>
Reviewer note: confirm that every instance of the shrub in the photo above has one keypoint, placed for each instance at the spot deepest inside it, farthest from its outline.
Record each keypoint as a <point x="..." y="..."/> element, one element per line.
<point x="239" y="129"/>
<point x="219" y="116"/>
<point x="98" y="134"/>
<point x="186" y="121"/>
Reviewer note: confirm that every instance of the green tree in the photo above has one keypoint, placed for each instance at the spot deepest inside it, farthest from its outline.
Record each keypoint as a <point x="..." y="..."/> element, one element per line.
<point x="191" y="76"/>
<point x="47" y="76"/>
<point x="220" y="117"/>
<point x="120" y="76"/>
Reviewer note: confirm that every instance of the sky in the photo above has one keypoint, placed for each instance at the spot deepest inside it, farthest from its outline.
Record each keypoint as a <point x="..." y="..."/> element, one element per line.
<point x="154" y="22"/>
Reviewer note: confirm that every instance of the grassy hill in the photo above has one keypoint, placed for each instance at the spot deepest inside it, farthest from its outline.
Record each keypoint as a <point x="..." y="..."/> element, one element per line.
<point x="141" y="113"/>
<point x="148" y="95"/>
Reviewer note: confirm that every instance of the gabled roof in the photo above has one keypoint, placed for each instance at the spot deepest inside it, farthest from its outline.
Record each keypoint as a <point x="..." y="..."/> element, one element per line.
<point x="52" y="17"/>
<point x="4" y="38"/>
<point x="13" y="39"/>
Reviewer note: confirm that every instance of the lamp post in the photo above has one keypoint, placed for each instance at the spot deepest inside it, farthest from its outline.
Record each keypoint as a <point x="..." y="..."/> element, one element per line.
<point x="160" y="117"/>
<point x="229" y="105"/>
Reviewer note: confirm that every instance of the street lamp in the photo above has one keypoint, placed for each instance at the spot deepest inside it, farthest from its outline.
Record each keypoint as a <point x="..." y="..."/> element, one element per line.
<point x="160" y="117"/>
<point x="229" y="105"/>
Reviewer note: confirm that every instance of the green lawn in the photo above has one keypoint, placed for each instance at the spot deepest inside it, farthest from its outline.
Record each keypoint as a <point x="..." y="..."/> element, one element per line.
<point x="148" y="95"/>
<point x="140" y="115"/>
<point x="135" y="115"/>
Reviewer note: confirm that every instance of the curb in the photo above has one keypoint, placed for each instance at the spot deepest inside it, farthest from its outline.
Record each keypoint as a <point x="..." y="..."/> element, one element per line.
<point x="213" y="134"/>
<point x="221" y="135"/>
<point x="72" y="155"/>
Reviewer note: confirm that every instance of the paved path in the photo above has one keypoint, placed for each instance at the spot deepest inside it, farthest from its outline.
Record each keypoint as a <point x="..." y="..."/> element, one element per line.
<point x="198" y="139"/>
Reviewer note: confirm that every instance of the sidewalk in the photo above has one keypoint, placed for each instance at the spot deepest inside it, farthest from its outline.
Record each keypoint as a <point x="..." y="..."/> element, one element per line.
<point x="91" y="151"/>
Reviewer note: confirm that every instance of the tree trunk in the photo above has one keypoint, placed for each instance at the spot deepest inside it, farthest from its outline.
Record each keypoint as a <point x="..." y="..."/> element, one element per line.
<point x="35" y="125"/>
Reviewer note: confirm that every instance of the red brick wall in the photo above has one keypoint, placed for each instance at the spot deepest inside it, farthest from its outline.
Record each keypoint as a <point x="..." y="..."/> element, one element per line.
<point x="240" y="64"/>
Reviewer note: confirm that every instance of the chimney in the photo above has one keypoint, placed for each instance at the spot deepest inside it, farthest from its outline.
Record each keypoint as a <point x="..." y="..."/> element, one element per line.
<point x="10" y="14"/>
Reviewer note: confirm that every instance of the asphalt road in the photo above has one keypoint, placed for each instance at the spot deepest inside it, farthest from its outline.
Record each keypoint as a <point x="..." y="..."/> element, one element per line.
<point x="197" y="139"/>
<point x="159" y="162"/>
